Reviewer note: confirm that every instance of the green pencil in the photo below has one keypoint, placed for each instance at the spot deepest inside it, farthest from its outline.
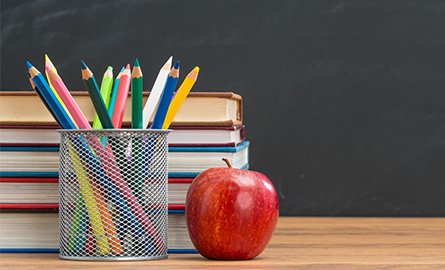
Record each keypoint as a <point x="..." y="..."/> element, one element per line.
<point x="96" y="98"/>
<point x="136" y="96"/>
<point x="136" y="122"/>
<point x="105" y="91"/>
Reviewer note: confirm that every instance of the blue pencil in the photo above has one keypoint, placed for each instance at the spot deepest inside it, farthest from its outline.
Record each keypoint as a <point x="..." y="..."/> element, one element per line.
<point x="167" y="94"/>
<point x="49" y="98"/>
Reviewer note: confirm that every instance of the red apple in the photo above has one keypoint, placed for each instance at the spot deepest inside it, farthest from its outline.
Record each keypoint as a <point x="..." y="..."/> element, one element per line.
<point x="231" y="213"/>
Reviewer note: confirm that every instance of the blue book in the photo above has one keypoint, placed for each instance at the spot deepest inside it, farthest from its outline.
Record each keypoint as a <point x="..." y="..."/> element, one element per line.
<point x="48" y="233"/>
<point x="183" y="161"/>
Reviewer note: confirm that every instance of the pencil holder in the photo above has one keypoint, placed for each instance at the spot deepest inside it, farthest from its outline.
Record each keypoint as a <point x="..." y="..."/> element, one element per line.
<point x="113" y="194"/>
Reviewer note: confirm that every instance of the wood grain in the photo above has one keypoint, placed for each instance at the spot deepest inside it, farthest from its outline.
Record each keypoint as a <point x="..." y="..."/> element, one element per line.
<point x="302" y="243"/>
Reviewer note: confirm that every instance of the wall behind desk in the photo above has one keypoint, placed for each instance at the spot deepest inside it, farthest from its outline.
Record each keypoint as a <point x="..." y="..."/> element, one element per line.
<point x="344" y="100"/>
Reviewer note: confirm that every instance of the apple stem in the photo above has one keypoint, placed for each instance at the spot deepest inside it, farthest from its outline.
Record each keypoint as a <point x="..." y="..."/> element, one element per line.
<point x="227" y="162"/>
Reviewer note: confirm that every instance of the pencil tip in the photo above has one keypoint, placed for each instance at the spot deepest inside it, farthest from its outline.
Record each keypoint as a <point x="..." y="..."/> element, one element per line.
<point x="46" y="57"/>
<point x="170" y="60"/>
<point x="83" y="65"/>
<point x="196" y="69"/>
<point x="176" y="66"/>
<point x="128" y="66"/>
<point x="110" y="68"/>
<point x="122" y="70"/>
<point x="28" y="64"/>
<point x="136" y="63"/>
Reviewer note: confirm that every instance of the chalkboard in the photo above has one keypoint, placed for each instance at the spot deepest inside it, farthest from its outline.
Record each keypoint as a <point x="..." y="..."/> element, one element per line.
<point x="344" y="100"/>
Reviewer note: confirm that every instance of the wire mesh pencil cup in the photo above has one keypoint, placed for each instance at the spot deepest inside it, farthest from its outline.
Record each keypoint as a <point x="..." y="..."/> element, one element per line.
<point x="113" y="194"/>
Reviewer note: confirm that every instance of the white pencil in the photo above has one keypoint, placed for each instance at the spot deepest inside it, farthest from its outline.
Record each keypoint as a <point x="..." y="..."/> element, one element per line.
<point x="156" y="92"/>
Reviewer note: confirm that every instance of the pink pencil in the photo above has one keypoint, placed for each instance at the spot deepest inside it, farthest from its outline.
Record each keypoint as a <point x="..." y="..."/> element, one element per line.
<point x="121" y="100"/>
<point x="68" y="99"/>
<point x="106" y="157"/>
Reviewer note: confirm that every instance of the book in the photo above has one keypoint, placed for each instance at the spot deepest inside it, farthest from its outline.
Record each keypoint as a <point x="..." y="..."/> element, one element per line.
<point x="180" y="136"/>
<point x="16" y="161"/>
<point x="33" y="230"/>
<point x="199" y="109"/>
<point x="34" y="191"/>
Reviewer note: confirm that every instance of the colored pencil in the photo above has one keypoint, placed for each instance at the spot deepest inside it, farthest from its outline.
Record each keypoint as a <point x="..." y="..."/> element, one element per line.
<point x="98" y="102"/>
<point x="166" y="97"/>
<point x="115" y="198"/>
<point x="79" y="226"/>
<point x="180" y="96"/>
<point x="55" y="111"/>
<point x="136" y="95"/>
<point x="68" y="99"/>
<point x="99" y="194"/>
<point x="107" y="220"/>
<point x="156" y="92"/>
<point x="50" y="99"/>
<point x="90" y="201"/>
<point x="111" y="171"/>
<point x="136" y="122"/>
<point x="33" y="85"/>
<point x="49" y="64"/>
<point x="105" y="91"/>
<point x="121" y="100"/>
<point x="79" y="117"/>
<point x="114" y="93"/>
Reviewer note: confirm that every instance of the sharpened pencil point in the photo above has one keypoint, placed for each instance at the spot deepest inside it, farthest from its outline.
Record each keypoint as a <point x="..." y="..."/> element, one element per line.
<point x="122" y="70"/>
<point x="28" y="64"/>
<point x="46" y="57"/>
<point x="176" y="66"/>
<point x="83" y="65"/>
<point x="136" y="63"/>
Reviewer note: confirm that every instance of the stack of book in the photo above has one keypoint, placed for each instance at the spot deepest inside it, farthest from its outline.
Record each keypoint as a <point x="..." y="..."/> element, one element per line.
<point x="207" y="128"/>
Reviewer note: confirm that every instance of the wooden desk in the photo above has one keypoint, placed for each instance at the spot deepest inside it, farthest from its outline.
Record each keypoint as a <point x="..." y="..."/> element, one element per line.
<point x="302" y="243"/>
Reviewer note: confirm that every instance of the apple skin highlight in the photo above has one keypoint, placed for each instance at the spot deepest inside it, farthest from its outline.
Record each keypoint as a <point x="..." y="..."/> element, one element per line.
<point x="231" y="213"/>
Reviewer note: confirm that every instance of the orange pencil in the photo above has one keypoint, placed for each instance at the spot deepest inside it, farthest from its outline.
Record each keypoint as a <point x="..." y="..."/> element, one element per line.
<point x="107" y="220"/>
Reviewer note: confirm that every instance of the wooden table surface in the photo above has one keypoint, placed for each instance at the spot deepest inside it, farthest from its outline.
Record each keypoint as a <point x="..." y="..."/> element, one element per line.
<point x="302" y="243"/>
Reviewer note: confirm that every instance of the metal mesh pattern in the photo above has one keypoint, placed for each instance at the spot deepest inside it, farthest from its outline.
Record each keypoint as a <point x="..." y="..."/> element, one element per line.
<point x="113" y="194"/>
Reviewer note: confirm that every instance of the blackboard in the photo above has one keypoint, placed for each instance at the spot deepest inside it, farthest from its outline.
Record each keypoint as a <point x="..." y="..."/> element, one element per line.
<point x="344" y="100"/>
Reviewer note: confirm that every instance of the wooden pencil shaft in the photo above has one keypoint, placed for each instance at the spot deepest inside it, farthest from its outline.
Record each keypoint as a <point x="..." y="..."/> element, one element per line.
<point x="119" y="107"/>
<point x="155" y="93"/>
<point x="114" y="94"/>
<point x="68" y="100"/>
<point x="166" y="98"/>
<point x="98" y="102"/>
<point x="180" y="96"/>
<point x="44" y="101"/>
<point x="45" y="91"/>
<point x="90" y="200"/>
<point x="105" y="91"/>
<point x="136" y="96"/>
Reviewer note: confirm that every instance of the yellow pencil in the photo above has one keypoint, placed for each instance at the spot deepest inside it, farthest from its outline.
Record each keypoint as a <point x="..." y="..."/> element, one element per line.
<point x="90" y="202"/>
<point x="50" y="64"/>
<point x="180" y="96"/>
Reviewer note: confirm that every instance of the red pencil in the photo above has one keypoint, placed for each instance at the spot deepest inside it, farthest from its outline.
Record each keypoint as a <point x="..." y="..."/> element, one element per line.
<point x="121" y="100"/>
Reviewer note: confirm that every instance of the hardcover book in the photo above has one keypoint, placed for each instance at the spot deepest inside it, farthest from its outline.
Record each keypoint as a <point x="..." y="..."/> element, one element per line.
<point x="199" y="109"/>
<point x="180" y="136"/>
<point x="183" y="162"/>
